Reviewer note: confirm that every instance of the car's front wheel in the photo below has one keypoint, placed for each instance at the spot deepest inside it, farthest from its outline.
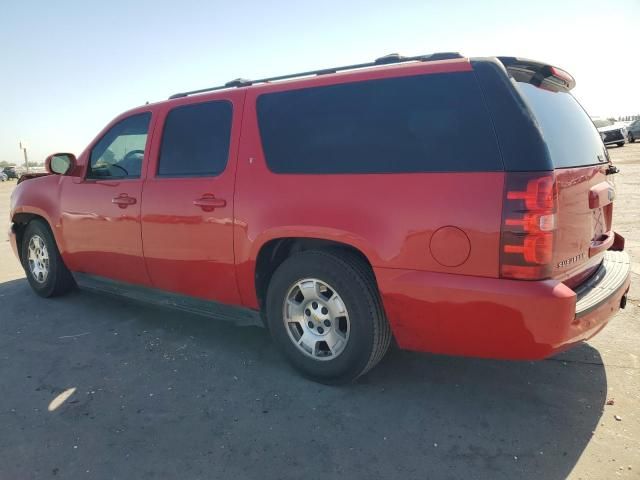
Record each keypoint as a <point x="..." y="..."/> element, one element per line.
<point x="325" y="314"/>
<point x="45" y="270"/>
<point x="620" y="144"/>
<point x="632" y="139"/>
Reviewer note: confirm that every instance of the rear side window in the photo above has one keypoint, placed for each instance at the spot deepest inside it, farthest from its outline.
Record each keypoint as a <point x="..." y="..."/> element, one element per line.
<point x="569" y="133"/>
<point x="195" y="141"/>
<point x="426" y="123"/>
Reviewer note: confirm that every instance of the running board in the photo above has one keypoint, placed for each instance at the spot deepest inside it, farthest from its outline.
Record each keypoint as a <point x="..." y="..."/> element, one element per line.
<point x="240" y="316"/>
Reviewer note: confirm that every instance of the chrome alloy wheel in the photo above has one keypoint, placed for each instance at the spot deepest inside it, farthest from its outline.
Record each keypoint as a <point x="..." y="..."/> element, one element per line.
<point x="316" y="319"/>
<point x="38" y="258"/>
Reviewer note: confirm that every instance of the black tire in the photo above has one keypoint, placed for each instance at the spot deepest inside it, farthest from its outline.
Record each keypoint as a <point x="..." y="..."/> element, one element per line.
<point x="620" y="144"/>
<point x="352" y="279"/>
<point x="58" y="280"/>
<point x="632" y="139"/>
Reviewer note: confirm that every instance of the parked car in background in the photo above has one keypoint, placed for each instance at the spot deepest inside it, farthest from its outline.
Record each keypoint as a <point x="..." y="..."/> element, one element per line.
<point x="633" y="131"/>
<point x="3" y="177"/>
<point x="10" y="172"/>
<point x="341" y="208"/>
<point x="611" y="133"/>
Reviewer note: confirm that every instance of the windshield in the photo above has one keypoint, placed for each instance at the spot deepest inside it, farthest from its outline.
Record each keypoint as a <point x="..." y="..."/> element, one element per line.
<point x="599" y="123"/>
<point x="568" y="131"/>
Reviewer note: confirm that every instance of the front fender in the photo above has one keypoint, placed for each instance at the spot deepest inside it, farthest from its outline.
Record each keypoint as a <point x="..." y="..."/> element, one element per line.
<point x="40" y="197"/>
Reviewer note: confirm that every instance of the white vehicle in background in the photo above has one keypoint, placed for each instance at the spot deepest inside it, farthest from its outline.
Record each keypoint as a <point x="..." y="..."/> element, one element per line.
<point x="3" y="177"/>
<point x="612" y="133"/>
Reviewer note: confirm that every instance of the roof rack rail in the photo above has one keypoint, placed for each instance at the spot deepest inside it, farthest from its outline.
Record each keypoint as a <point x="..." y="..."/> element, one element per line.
<point x="385" y="60"/>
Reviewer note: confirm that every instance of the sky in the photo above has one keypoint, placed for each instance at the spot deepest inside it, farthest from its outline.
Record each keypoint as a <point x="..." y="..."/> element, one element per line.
<point x="68" y="67"/>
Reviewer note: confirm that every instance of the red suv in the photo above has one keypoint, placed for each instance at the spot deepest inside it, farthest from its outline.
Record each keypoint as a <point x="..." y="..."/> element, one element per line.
<point x="459" y="205"/>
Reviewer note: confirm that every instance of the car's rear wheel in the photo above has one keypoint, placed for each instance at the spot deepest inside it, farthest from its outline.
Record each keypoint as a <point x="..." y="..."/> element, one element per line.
<point x="45" y="270"/>
<point x="325" y="314"/>
<point x="620" y="144"/>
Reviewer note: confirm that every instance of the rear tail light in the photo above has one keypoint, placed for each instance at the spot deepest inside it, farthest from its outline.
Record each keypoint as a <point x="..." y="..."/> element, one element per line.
<point x="528" y="225"/>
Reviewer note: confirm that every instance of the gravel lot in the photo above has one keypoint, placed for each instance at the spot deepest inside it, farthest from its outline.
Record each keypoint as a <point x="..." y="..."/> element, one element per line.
<point x="161" y="394"/>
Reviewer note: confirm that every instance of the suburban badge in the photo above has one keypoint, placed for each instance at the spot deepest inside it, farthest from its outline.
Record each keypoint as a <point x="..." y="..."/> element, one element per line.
<point x="569" y="261"/>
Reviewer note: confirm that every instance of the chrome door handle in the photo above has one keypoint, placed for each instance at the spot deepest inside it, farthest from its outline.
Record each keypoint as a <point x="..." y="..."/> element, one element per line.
<point x="123" y="200"/>
<point x="209" y="202"/>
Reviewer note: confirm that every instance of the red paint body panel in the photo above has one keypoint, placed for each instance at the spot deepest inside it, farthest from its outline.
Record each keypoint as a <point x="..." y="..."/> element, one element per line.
<point x="481" y="317"/>
<point x="391" y="223"/>
<point x="40" y="196"/>
<point x="102" y="238"/>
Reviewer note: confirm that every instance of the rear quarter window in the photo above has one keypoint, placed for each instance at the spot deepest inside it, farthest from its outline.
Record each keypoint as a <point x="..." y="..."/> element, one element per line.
<point x="426" y="123"/>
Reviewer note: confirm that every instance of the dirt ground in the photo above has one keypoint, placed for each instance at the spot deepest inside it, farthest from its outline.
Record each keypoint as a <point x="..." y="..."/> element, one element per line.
<point x="160" y="394"/>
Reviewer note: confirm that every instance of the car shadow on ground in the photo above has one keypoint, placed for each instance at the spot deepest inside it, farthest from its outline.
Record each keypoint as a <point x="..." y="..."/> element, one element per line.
<point x="167" y="394"/>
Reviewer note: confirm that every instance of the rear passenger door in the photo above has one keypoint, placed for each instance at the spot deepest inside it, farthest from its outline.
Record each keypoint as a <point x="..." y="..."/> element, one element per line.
<point x="187" y="201"/>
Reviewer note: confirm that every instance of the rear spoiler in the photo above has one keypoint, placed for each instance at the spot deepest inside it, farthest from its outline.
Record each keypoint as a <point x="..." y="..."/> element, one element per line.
<point x="539" y="74"/>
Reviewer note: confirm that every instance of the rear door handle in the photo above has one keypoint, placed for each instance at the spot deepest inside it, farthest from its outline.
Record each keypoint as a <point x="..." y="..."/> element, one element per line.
<point x="123" y="200"/>
<point x="209" y="202"/>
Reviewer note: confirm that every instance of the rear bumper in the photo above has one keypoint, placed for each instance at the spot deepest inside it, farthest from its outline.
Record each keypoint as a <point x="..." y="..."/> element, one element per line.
<point x="496" y="318"/>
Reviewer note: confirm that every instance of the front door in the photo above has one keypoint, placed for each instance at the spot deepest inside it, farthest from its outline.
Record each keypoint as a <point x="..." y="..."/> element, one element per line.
<point x="100" y="210"/>
<point x="187" y="200"/>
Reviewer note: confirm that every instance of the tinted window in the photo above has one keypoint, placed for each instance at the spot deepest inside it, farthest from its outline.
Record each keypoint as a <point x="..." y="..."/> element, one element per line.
<point x="424" y="123"/>
<point x="196" y="140"/>
<point x="119" y="153"/>
<point x="570" y="135"/>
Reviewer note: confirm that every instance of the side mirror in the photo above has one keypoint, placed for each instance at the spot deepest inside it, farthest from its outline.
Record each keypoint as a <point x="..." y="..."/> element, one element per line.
<point x="60" y="163"/>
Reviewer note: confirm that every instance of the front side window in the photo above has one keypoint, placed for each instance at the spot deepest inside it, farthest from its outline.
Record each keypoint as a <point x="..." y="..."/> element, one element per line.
<point x="119" y="153"/>
<point x="195" y="141"/>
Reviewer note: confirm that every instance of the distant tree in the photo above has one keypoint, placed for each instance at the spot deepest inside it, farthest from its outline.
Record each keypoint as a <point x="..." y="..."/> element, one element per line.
<point x="611" y="119"/>
<point x="4" y="163"/>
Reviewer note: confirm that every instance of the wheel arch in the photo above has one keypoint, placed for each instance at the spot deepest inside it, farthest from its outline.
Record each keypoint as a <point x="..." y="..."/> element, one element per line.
<point x="275" y="251"/>
<point x="21" y="219"/>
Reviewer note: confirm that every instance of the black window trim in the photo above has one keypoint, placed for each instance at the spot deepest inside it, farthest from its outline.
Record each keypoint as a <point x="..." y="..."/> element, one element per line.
<point x="158" y="175"/>
<point x="144" y="158"/>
